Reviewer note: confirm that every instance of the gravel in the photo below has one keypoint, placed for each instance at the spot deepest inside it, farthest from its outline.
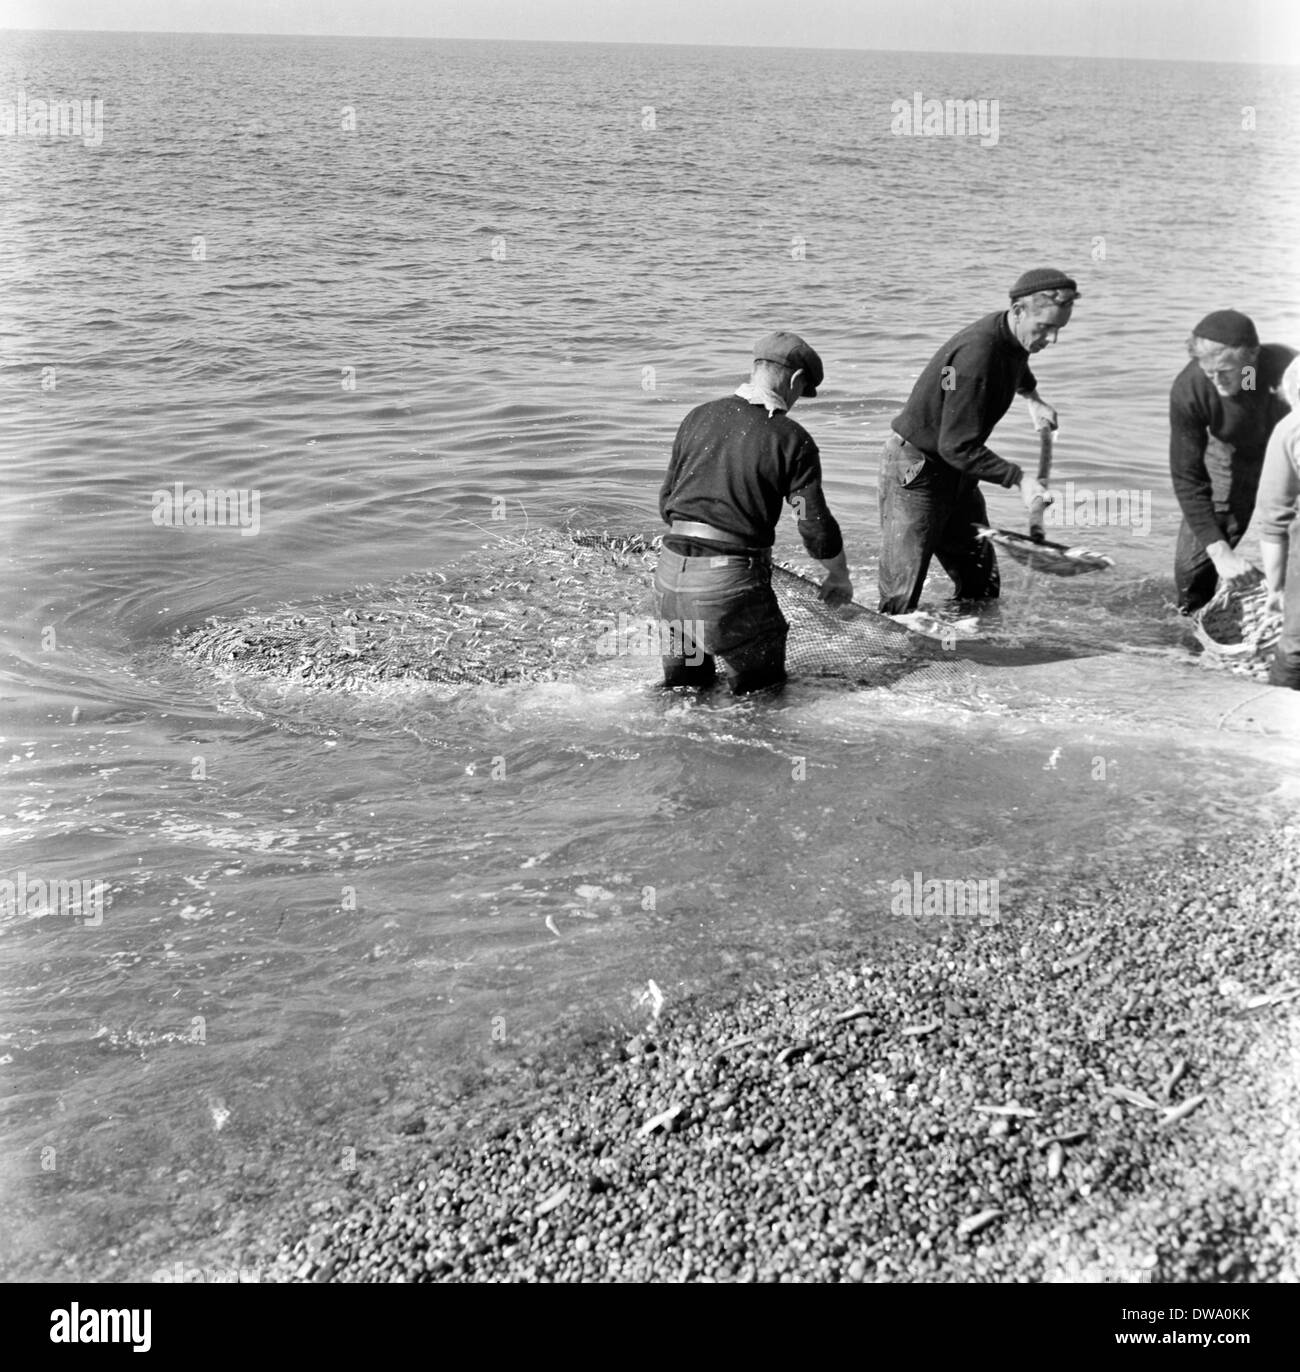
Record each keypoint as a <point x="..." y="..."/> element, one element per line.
<point x="1101" y="1085"/>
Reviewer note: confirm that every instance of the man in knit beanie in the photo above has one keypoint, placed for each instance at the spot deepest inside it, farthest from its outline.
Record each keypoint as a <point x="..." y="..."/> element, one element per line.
<point x="1222" y="408"/>
<point x="937" y="453"/>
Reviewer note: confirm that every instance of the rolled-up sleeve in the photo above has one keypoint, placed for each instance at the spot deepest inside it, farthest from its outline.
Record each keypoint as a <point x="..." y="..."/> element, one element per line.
<point x="1279" y="483"/>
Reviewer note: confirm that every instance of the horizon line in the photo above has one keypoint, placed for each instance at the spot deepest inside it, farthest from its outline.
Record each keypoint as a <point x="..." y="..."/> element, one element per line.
<point x="633" y="43"/>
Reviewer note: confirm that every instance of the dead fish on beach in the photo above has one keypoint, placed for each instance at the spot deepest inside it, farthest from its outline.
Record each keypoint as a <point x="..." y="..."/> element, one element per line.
<point x="1130" y="1097"/>
<point x="1012" y="1108"/>
<point x="974" y="1223"/>
<point x="1180" y="1112"/>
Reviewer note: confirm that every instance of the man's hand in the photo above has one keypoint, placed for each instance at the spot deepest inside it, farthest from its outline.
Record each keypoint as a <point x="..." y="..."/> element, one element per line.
<point x="837" y="589"/>
<point x="1273" y="605"/>
<point x="1230" y="565"/>
<point x="1032" y="489"/>
<point x="1041" y="413"/>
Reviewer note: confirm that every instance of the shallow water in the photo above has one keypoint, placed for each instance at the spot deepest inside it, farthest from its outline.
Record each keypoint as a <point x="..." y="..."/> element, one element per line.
<point x="309" y="893"/>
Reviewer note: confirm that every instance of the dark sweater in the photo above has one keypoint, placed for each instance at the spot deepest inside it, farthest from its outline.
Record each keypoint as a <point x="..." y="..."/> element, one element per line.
<point x="950" y="414"/>
<point x="733" y="465"/>
<point x="1209" y="479"/>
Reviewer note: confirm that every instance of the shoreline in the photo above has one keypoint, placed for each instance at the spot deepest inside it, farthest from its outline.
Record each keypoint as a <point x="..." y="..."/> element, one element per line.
<point x="1097" y="1087"/>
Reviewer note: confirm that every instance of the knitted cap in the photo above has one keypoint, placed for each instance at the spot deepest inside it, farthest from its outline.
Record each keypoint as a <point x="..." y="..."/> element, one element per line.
<point x="1229" y="327"/>
<point x="1043" y="279"/>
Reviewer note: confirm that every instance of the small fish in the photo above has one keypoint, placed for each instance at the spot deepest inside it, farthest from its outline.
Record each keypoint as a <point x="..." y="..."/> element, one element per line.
<point x="1180" y="1112"/>
<point x="974" y="1223"/>
<point x="928" y="1028"/>
<point x="656" y="999"/>
<point x="1075" y="959"/>
<point x="1270" y="998"/>
<point x="554" y="1200"/>
<point x="660" y="1121"/>
<point x="1013" y="1108"/>
<point x="1138" y="1098"/>
<point x="1074" y="1136"/>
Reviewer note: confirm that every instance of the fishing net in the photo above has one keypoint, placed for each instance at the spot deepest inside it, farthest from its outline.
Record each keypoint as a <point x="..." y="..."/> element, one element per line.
<point x="852" y="642"/>
<point x="535" y="608"/>
<point x="1059" y="559"/>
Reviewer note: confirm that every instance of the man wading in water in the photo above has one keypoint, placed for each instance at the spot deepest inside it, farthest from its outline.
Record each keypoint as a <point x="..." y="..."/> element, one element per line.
<point x="734" y="461"/>
<point x="936" y="455"/>
<point x="1222" y="408"/>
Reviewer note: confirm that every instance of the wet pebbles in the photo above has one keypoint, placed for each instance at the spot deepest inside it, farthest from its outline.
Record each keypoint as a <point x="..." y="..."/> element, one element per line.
<point x="1102" y="1085"/>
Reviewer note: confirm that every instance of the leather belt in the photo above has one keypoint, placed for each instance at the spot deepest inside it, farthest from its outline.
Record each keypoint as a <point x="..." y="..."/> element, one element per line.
<point x="688" y="528"/>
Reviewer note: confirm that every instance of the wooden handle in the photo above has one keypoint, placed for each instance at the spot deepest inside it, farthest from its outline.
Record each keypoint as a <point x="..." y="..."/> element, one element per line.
<point x="1036" y="530"/>
<point x="1045" y="437"/>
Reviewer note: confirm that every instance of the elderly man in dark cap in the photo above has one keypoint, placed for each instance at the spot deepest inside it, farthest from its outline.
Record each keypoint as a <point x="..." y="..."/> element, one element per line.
<point x="1222" y="408"/>
<point x="936" y="454"/>
<point x="734" y="462"/>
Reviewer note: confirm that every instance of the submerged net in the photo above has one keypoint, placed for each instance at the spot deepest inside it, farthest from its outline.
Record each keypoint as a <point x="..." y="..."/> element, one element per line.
<point x="536" y="608"/>
<point x="852" y="642"/>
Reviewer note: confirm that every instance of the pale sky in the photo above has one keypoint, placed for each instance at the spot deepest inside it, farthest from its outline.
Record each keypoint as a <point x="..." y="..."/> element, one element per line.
<point x="1213" y="30"/>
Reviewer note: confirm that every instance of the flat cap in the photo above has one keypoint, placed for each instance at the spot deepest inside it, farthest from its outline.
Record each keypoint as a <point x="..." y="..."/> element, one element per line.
<point x="789" y="350"/>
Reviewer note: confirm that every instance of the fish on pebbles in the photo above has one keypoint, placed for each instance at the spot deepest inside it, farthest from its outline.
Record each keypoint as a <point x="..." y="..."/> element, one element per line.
<point x="1180" y="1112"/>
<point x="973" y="1224"/>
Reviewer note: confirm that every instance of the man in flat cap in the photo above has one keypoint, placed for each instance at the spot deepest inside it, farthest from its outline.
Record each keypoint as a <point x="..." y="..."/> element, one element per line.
<point x="1222" y="408"/>
<point x="734" y="462"/>
<point x="936" y="453"/>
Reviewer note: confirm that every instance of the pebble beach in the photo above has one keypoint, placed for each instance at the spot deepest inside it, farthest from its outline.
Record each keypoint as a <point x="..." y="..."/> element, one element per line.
<point x="1100" y="1085"/>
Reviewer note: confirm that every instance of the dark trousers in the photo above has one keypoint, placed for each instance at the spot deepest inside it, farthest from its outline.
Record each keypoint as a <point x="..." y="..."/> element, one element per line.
<point x="723" y="607"/>
<point x="929" y="509"/>
<point x="1285" y="667"/>
<point x="1195" y="579"/>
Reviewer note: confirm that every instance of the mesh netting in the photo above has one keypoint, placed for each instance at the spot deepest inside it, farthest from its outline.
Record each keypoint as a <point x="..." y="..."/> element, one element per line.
<point x="852" y="642"/>
<point x="535" y="608"/>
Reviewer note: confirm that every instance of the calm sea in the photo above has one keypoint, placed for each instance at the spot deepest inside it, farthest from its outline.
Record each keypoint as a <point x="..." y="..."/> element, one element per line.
<point x="389" y="285"/>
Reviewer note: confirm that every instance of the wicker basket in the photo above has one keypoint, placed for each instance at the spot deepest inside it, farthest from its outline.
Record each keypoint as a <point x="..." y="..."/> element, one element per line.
<point x="1236" y="631"/>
